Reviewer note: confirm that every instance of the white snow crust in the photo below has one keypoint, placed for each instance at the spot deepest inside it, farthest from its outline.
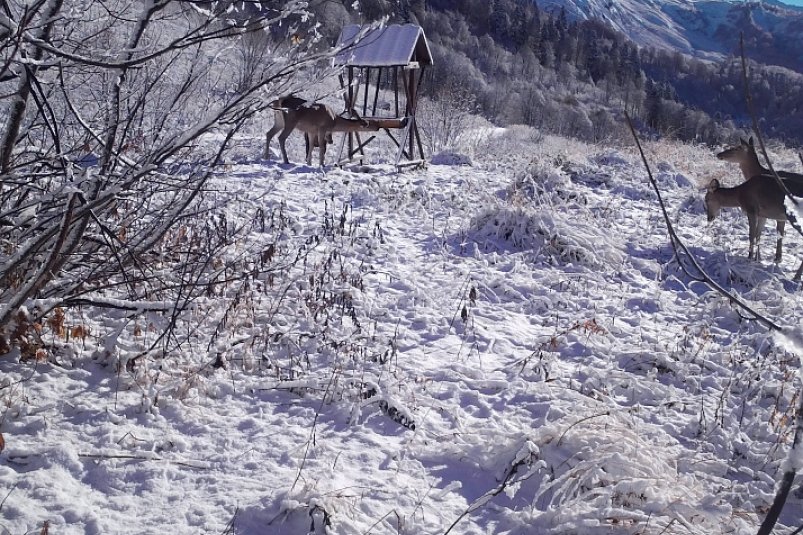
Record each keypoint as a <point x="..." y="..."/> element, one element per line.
<point x="508" y="347"/>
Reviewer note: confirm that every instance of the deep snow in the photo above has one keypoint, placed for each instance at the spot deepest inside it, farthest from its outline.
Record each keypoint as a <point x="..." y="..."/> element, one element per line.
<point x="503" y="347"/>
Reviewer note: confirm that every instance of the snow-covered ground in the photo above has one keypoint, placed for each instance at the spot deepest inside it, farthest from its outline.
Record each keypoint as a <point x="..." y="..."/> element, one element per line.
<point x="503" y="347"/>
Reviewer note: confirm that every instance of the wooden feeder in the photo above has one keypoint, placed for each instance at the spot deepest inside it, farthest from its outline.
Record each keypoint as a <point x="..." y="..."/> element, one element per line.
<point x="393" y="58"/>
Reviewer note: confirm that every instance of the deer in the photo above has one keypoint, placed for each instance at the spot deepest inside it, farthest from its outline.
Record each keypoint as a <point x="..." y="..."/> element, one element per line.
<point x="279" y="121"/>
<point x="745" y="155"/>
<point x="316" y="120"/>
<point x="760" y="198"/>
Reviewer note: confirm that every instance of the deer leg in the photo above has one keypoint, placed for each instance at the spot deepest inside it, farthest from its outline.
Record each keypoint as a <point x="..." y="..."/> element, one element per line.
<point x="282" y="138"/>
<point x="322" y="146"/>
<point x="278" y="126"/>
<point x="756" y="226"/>
<point x="289" y="125"/>
<point x="268" y="137"/>
<point x="310" y="146"/>
<point x="779" y="245"/>
<point x="751" y="233"/>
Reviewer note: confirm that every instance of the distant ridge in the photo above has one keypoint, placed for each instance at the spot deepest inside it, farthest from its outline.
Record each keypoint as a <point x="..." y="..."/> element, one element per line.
<point x="706" y="29"/>
<point x="783" y="4"/>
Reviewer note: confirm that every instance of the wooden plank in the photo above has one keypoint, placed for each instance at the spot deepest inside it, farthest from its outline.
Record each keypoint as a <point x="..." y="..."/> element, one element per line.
<point x="350" y="157"/>
<point x="387" y="123"/>
<point x="402" y="144"/>
<point x="376" y="91"/>
<point x="365" y="95"/>
<point x="350" y="104"/>
<point x="410" y="110"/>
<point x="412" y="163"/>
<point x="396" y="88"/>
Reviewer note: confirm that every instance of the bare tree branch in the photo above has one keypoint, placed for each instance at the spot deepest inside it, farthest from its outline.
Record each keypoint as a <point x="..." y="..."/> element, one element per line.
<point x="83" y="216"/>
<point x="683" y="253"/>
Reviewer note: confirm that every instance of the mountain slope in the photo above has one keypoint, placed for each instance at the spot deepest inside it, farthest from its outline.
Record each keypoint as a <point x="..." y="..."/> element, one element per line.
<point x="708" y="29"/>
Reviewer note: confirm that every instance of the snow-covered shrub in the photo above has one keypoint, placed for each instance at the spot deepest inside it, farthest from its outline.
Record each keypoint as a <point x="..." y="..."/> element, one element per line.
<point x="610" y="158"/>
<point x="554" y="235"/>
<point x="444" y="118"/>
<point x="451" y="158"/>
<point x="541" y="182"/>
<point x="609" y="481"/>
<point x="512" y="144"/>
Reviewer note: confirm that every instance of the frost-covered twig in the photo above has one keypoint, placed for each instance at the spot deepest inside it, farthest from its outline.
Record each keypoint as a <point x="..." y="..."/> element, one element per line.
<point x="121" y="304"/>
<point x="581" y="420"/>
<point x="375" y="524"/>
<point x="112" y="456"/>
<point x="311" y="439"/>
<point x="526" y="456"/>
<point x="229" y="529"/>
<point x="13" y="487"/>
<point x="793" y="462"/>
<point x="461" y="299"/>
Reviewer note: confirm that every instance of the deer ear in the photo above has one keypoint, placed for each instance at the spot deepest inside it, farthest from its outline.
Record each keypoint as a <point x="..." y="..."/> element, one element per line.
<point x="713" y="185"/>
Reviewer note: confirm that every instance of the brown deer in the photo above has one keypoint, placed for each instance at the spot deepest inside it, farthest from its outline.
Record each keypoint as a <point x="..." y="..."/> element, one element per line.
<point x="289" y="102"/>
<point x="316" y="120"/>
<point x="745" y="155"/>
<point x="760" y="198"/>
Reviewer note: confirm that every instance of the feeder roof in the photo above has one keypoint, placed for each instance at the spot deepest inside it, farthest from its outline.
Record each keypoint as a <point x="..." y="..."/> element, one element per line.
<point x="391" y="46"/>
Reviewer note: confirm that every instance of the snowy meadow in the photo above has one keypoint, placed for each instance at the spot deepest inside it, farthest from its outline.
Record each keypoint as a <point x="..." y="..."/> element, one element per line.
<point x="506" y="347"/>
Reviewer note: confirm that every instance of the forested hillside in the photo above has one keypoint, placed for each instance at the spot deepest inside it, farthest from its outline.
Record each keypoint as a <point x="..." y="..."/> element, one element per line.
<point x="520" y="64"/>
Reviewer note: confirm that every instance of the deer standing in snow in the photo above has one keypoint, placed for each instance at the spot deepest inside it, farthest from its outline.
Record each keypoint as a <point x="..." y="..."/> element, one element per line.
<point x="760" y="198"/>
<point x="316" y="120"/>
<point x="770" y="201"/>
<point x="289" y="102"/>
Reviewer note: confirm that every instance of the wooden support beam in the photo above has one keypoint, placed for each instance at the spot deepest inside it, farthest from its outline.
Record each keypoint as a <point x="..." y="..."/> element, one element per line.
<point x="405" y="83"/>
<point x="396" y="88"/>
<point x="350" y="157"/>
<point x="365" y="92"/>
<point x="418" y="138"/>
<point x="411" y="163"/>
<point x="388" y="123"/>
<point x="376" y="90"/>
<point x="350" y="104"/>
<point x="410" y="109"/>
<point x="392" y="138"/>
